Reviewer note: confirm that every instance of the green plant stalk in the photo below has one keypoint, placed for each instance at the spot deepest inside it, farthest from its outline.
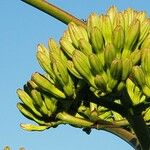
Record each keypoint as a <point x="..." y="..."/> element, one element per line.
<point x="136" y="121"/>
<point x="130" y="138"/>
<point x="73" y="120"/>
<point x="119" y="131"/>
<point x="54" y="11"/>
<point x="121" y="123"/>
<point x="141" y="129"/>
<point x="115" y="128"/>
<point x="104" y="125"/>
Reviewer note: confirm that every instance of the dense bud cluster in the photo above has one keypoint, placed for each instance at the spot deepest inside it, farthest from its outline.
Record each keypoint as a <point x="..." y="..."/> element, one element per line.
<point x="111" y="55"/>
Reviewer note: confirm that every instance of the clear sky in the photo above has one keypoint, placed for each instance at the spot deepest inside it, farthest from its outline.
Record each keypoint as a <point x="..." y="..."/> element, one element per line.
<point x="22" y="27"/>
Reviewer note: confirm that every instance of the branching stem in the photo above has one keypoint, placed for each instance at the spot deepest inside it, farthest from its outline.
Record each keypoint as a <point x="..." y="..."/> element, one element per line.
<point x="137" y="122"/>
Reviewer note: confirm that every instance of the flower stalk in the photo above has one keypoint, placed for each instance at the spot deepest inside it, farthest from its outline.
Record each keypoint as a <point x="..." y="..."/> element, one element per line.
<point x="141" y="130"/>
<point x="54" y="11"/>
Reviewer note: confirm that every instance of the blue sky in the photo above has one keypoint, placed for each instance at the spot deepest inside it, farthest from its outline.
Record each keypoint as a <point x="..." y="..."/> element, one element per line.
<point x="22" y="27"/>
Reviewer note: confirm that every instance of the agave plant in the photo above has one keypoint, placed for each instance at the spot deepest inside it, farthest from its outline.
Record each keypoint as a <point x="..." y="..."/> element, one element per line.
<point x="96" y="77"/>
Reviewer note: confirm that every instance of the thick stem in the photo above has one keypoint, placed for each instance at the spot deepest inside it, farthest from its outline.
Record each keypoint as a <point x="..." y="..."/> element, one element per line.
<point x="101" y="125"/>
<point x="54" y="11"/>
<point x="116" y="129"/>
<point x="126" y="136"/>
<point x="141" y="130"/>
<point x="136" y="121"/>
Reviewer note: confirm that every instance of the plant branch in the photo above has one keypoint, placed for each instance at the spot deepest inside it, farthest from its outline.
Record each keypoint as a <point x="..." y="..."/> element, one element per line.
<point x="141" y="130"/>
<point x="116" y="128"/>
<point x="142" y="106"/>
<point x="73" y="120"/>
<point x="54" y="11"/>
<point x="101" y="125"/>
<point x="137" y="122"/>
<point x="108" y="103"/>
<point x="130" y="138"/>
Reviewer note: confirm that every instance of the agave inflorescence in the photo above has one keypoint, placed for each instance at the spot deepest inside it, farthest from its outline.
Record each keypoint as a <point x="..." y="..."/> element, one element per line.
<point x="105" y="61"/>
